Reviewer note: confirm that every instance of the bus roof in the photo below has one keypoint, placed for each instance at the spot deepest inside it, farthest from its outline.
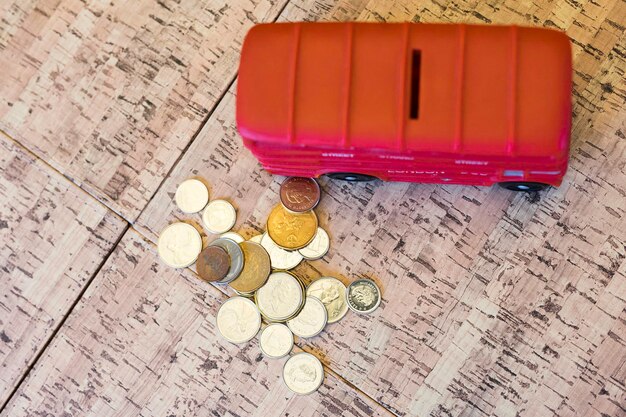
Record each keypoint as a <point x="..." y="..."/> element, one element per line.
<point x="462" y="89"/>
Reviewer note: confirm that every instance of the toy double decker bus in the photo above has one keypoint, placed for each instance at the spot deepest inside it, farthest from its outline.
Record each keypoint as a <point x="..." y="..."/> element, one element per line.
<point x="439" y="103"/>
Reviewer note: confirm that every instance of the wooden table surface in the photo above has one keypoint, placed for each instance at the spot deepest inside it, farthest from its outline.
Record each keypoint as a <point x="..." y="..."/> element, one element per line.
<point x="494" y="303"/>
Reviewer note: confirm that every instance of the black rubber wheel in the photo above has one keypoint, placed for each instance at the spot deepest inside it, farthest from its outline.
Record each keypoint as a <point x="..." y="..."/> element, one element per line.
<point x="352" y="177"/>
<point x="527" y="187"/>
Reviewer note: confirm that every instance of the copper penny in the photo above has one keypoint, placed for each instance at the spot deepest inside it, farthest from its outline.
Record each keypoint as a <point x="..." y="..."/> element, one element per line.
<point x="299" y="194"/>
<point x="213" y="264"/>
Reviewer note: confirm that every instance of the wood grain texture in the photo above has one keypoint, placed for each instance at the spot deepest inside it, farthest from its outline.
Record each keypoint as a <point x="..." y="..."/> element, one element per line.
<point x="54" y="237"/>
<point x="495" y="303"/>
<point x="110" y="93"/>
<point x="143" y="341"/>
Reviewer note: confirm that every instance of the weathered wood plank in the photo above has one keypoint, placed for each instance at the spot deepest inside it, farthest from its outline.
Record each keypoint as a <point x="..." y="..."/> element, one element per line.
<point x="110" y="93"/>
<point x="54" y="237"/>
<point x="495" y="303"/>
<point x="143" y="341"/>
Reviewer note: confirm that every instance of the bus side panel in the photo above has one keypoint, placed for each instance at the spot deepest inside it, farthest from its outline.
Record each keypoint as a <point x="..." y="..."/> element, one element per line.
<point x="263" y="85"/>
<point x="377" y="84"/>
<point x="544" y="94"/>
<point x="487" y="89"/>
<point x="321" y="83"/>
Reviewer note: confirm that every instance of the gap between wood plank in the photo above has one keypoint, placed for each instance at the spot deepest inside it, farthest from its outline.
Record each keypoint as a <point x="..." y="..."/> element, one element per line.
<point x="197" y="132"/>
<point x="147" y="239"/>
<point x="47" y="343"/>
<point x="34" y="155"/>
<point x="224" y="296"/>
<point x="184" y="151"/>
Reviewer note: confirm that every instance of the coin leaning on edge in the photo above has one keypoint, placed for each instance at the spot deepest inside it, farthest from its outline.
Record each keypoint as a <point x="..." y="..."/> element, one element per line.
<point x="256" y="239"/>
<point x="279" y="257"/>
<point x="311" y="320"/>
<point x="318" y="247"/>
<point x="233" y="236"/>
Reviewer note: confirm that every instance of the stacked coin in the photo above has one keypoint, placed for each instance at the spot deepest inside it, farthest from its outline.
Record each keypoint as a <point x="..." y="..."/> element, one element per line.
<point x="281" y="298"/>
<point x="332" y="293"/>
<point x="292" y="225"/>
<point x="311" y="320"/>
<point x="257" y="270"/>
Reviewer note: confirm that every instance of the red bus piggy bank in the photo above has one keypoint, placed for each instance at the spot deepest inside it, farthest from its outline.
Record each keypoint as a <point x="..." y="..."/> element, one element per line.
<point x="439" y="103"/>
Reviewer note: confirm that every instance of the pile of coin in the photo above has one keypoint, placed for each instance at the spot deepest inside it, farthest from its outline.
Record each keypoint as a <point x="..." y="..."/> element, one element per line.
<point x="258" y="271"/>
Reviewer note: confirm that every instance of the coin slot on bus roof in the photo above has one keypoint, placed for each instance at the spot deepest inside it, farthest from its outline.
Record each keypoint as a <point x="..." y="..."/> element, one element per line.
<point x="416" y="64"/>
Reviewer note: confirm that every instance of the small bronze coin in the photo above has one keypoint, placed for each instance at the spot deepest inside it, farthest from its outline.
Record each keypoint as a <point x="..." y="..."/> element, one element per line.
<point x="299" y="194"/>
<point x="256" y="268"/>
<point x="235" y="254"/>
<point x="213" y="264"/>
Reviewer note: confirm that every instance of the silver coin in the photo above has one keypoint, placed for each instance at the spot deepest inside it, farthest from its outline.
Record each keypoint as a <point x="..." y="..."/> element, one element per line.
<point x="249" y="295"/>
<point x="311" y="320"/>
<point x="280" y="298"/>
<point x="276" y="341"/>
<point x="233" y="236"/>
<point x="191" y="196"/>
<point x="179" y="245"/>
<point x="279" y="257"/>
<point x="219" y="216"/>
<point x="363" y="296"/>
<point x="236" y="257"/>
<point x="318" y="247"/>
<point x="256" y="239"/>
<point x="303" y="373"/>
<point x="332" y="293"/>
<point x="238" y="320"/>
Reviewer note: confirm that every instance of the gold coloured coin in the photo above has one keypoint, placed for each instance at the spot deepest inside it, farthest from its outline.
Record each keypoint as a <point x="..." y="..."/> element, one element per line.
<point x="289" y="230"/>
<point x="256" y="268"/>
